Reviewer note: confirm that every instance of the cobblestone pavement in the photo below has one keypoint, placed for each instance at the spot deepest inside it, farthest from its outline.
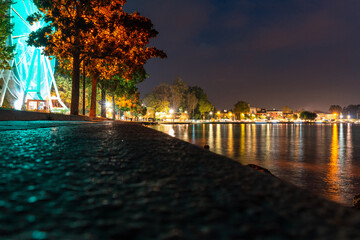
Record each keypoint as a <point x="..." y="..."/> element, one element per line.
<point x="123" y="181"/>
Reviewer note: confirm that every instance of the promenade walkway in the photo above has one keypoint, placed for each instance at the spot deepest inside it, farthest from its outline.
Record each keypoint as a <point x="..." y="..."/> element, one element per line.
<point x="111" y="180"/>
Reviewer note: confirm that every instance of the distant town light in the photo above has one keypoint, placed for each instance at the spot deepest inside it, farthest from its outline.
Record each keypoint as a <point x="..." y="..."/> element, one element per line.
<point x="171" y="111"/>
<point x="211" y="113"/>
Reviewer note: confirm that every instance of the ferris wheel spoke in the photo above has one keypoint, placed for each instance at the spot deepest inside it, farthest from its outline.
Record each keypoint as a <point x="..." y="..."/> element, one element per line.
<point x="24" y="21"/>
<point x="21" y="36"/>
<point x="31" y="6"/>
<point x="23" y="55"/>
<point x="25" y="8"/>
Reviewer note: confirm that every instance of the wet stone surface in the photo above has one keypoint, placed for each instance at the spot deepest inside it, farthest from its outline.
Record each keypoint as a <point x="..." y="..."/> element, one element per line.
<point x="124" y="181"/>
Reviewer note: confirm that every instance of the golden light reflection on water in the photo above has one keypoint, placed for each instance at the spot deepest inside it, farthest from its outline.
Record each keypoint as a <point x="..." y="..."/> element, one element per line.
<point x="231" y="141"/>
<point x="317" y="157"/>
<point x="211" y="135"/>
<point x="186" y="132"/>
<point x="218" y="139"/>
<point x="253" y="139"/>
<point x="332" y="176"/>
<point x="242" y="140"/>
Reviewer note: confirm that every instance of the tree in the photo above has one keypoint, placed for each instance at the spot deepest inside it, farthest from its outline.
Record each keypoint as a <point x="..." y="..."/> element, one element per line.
<point x="306" y="115"/>
<point x="66" y="35"/>
<point x="202" y="101"/>
<point x="204" y="106"/>
<point x="177" y="91"/>
<point x="118" y="87"/>
<point x="64" y="87"/>
<point x="158" y="98"/>
<point x="97" y="30"/>
<point x="6" y="51"/>
<point x="286" y="109"/>
<point x="335" y="109"/>
<point x="241" y="107"/>
<point x="352" y="111"/>
<point x="191" y="101"/>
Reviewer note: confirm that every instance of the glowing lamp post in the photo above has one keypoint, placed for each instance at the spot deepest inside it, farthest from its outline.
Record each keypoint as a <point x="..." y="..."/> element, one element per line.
<point x="171" y="111"/>
<point x="108" y="109"/>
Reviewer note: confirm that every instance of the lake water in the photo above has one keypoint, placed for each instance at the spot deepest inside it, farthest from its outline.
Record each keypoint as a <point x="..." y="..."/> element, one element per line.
<point x="322" y="158"/>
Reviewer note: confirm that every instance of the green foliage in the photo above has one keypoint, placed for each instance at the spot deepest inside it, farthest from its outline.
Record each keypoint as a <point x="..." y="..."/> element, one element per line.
<point x="64" y="86"/>
<point x="118" y="86"/>
<point x="204" y="106"/>
<point x="306" y="115"/>
<point x="6" y="51"/>
<point x="199" y="92"/>
<point x="179" y="96"/>
<point x="203" y="98"/>
<point x="241" y="107"/>
<point x="157" y="101"/>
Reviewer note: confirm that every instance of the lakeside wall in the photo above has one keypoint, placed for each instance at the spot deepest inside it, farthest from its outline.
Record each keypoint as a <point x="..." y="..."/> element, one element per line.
<point x="15" y="115"/>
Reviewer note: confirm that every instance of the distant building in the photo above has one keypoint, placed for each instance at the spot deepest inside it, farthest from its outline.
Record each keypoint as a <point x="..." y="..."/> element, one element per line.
<point x="261" y="113"/>
<point x="253" y="110"/>
<point x="274" y="114"/>
<point x="326" y="116"/>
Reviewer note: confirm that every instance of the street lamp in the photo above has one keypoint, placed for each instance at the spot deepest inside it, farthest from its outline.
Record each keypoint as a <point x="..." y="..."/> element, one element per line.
<point x="171" y="111"/>
<point x="210" y="114"/>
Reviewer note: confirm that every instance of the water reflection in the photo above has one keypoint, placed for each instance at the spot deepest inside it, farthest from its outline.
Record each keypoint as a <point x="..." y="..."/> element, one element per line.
<point x="321" y="158"/>
<point x="242" y="140"/>
<point x="230" y="141"/>
<point x="333" y="177"/>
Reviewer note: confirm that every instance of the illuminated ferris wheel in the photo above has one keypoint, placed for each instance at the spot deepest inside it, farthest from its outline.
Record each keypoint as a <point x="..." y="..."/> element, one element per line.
<point x="32" y="76"/>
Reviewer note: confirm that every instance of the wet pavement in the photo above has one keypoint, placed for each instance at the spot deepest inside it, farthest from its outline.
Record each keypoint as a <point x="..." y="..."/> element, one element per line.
<point x="109" y="180"/>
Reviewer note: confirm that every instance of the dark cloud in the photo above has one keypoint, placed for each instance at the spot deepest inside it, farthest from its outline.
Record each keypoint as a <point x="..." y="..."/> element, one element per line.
<point x="304" y="54"/>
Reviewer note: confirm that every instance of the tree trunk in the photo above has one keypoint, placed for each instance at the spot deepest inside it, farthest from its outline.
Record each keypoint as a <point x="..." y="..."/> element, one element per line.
<point x="103" y="102"/>
<point x="75" y="91"/>
<point x="84" y="76"/>
<point x="113" y="103"/>
<point x="95" y="77"/>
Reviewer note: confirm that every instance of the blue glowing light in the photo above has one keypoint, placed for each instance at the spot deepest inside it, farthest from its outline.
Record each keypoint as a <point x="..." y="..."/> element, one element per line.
<point x="32" y="77"/>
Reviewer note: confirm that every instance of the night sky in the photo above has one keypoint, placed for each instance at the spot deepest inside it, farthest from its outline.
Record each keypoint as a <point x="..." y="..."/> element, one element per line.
<point x="270" y="53"/>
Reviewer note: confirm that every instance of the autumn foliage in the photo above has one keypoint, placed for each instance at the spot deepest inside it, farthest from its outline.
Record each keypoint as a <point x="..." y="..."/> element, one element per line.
<point x="112" y="41"/>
